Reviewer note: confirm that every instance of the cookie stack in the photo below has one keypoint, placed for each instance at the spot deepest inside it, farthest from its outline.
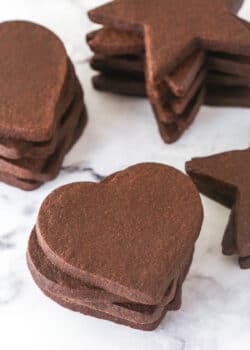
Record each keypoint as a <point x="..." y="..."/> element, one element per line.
<point x="122" y="248"/>
<point x="123" y="72"/>
<point x="42" y="112"/>
<point x="204" y="73"/>
<point x="225" y="177"/>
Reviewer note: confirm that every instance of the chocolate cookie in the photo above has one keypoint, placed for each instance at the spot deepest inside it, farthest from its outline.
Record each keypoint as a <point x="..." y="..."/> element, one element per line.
<point x="120" y="84"/>
<point x="37" y="169"/>
<point x="232" y="64"/>
<point x="221" y="79"/>
<point x="32" y="80"/>
<point x="132" y="68"/>
<point x="50" y="168"/>
<point x="15" y="149"/>
<point x="111" y="41"/>
<point x="127" y="61"/>
<point x="225" y="178"/>
<point x="117" y="286"/>
<point x="150" y="286"/>
<point x="42" y="110"/>
<point x="54" y="281"/>
<point x="168" y="49"/>
<point x="228" y="96"/>
<point x="12" y="180"/>
<point x="172" y="131"/>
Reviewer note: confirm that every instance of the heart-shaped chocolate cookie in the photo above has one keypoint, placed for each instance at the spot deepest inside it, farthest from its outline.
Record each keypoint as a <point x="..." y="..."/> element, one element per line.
<point x="127" y="235"/>
<point x="33" y="70"/>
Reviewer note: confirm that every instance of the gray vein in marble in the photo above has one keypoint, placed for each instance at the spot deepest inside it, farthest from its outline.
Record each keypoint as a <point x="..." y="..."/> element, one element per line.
<point x="70" y="169"/>
<point x="174" y="343"/>
<point x="29" y="209"/>
<point x="206" y="279"/>
<point x="5" y="245"/>
<point x="182" y="344"/>
<point x="6" y="240"/>
<point x="4" y="197"/>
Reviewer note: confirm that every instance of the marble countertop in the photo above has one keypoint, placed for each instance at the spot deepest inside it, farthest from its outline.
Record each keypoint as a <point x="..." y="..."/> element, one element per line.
<point x="122" y="131"/>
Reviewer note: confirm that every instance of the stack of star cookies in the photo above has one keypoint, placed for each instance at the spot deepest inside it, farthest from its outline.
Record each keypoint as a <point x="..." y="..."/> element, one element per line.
<point x="204" y="73"/>
<point x="122" y="248"/>
<point x="42" y="112"/>
<point x="119" y="56"/>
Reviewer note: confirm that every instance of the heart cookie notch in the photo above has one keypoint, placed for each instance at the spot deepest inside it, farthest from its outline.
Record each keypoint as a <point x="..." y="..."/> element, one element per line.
<point x="132" y="236"/>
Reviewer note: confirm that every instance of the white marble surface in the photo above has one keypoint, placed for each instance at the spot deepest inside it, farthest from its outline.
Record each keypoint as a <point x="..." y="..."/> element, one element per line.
<point x="122" y="131"/>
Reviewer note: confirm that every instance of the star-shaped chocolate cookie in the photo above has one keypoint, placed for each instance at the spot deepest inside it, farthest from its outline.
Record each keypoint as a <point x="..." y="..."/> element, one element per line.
<point x="225" y="178"/>
<point x="172" y="30"/>
<point x="171" y="34"/>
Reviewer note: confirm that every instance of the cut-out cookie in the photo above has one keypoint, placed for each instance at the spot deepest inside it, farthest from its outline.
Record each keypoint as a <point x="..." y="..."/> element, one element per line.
<point x="120" y="249"/>
<point x="140" y="36"/>
<point x="135" y="215"/>
<point x="42" y="112"/>
<point x="225" y="178"/>
<point x="16" y="149"/>
<point x="33" y="70"/>
<point x="55" y="282"/>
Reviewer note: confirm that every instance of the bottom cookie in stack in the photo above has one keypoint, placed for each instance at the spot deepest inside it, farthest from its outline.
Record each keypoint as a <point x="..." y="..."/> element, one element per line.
<point x="78" y="296"/>
<point x="111" y="255"/>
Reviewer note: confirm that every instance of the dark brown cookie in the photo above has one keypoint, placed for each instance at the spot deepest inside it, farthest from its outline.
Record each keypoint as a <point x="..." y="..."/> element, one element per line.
<point x="123" y="272"/>
<point x="170" y="132"/>
<point x="169" y="111"/>
<point x="130" y="61"/>
<point x="120" y="84"/>
<point x="12" y="180"/>
<point x="225" y="178"/>
<point x="133" y="68"/>
<point x="132" y="65"/>
<point x="230" y="80"/>
<point x="33" y="70"/>
<point x="16" y="149"/>
<point x="56" y="283"/>
<point x="110" y="41"/>
<point x="178" y="105"/>
<point x="232" y="64"/>
<point x="45" y="169"/>
<point x="51" y="166"/>
<point x="228" y="96"/>
<point x="168" y="45"/>
<point x="86" y="310"/>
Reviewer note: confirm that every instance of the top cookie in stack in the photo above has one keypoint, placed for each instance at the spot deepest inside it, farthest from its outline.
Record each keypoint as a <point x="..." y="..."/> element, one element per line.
<point x="42" y="112"/>
<point x="178" y="72"/>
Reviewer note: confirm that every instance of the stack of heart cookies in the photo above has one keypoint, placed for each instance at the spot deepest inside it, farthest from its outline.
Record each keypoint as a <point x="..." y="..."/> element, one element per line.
<point x="119" y="250"/>
<point x="42" y="112"/>
<point x="181" y="75"/>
